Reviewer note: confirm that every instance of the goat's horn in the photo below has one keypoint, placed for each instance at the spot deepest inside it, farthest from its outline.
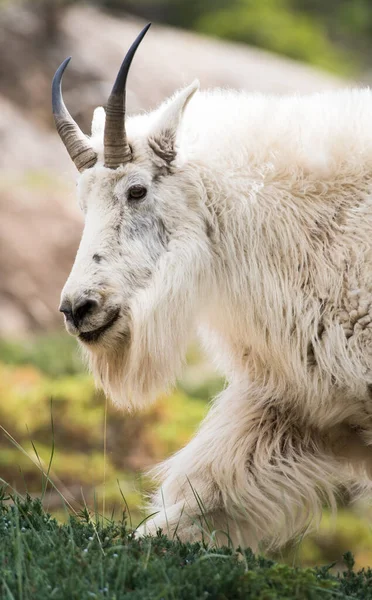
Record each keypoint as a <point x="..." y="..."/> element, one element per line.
<point x="116" y="147"/>
<point x="71" y="135"/>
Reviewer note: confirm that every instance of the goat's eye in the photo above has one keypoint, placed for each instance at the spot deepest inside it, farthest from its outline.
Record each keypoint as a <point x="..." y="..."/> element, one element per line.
<point x="136" y="192"/>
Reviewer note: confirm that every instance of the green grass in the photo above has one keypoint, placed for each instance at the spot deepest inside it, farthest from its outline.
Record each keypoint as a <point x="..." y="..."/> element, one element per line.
<point x="88" y="557"/>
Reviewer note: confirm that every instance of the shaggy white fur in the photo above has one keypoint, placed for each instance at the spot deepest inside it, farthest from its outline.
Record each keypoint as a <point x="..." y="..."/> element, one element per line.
<point x="258" y="234"/>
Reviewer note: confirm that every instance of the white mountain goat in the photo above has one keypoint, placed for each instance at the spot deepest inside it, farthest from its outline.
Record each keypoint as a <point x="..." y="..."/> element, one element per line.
<point x="246" y="217"/>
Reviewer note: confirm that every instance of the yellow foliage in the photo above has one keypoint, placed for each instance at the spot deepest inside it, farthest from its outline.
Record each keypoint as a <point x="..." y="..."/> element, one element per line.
<point x="30" y="399"/>
<point x="134" y="443"/>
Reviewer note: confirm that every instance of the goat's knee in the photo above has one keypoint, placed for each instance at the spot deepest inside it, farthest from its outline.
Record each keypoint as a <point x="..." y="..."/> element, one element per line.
<point x="267" y="487"/>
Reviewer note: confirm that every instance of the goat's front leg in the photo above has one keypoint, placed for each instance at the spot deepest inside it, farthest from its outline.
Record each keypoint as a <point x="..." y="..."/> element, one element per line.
<point x="251" y="474"/>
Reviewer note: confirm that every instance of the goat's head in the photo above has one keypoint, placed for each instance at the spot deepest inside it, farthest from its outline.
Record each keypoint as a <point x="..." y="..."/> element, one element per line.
<point x="143" y="213"/>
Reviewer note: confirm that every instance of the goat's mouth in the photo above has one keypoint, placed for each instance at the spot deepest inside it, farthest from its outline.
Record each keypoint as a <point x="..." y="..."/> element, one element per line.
<point x="93" y="336"/>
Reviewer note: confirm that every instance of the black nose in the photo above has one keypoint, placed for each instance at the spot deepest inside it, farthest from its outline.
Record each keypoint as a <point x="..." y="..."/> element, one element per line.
<point x="77" y="311"/>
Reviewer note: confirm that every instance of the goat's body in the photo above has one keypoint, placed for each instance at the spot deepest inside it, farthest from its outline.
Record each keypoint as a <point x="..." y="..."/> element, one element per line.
<point x="249" y="217"/>
<point x="288" y="186"/>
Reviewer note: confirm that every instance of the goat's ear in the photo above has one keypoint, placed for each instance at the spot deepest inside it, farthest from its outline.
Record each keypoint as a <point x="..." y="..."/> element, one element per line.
<point x="162" y="139"/>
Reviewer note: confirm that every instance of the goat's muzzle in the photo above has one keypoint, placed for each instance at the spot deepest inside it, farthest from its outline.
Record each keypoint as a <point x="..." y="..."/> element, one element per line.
<point x="87" y="318"/>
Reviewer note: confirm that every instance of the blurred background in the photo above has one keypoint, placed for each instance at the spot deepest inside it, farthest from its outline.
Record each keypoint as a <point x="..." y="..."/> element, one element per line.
<point x="51" y="416"/>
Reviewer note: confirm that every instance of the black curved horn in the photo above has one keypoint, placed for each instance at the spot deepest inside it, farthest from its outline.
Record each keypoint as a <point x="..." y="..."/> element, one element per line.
<point x="116" y="148"/>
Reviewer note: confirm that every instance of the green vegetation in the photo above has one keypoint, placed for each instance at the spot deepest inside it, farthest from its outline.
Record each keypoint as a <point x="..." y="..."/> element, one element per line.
<point x="55" y="355"/>
<point x="275" y="26"/>
<point x="335" y="35"/>
<point x="50" y="403"/>
<point x="53" y="421"/>
<point x="90" y="557"/>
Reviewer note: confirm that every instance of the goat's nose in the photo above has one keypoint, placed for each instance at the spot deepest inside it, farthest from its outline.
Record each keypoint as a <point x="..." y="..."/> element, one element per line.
<point x="81" y="309"/>
<point x="77" y="311"/>
<point x="66" y="309"/>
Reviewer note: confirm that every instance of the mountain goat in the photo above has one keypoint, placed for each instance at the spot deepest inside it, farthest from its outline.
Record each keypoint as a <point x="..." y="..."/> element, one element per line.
<point x="248" y="218"/>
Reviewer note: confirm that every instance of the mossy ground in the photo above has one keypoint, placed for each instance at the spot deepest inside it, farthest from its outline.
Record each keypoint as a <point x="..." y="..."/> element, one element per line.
<point x="87" y="557"/>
